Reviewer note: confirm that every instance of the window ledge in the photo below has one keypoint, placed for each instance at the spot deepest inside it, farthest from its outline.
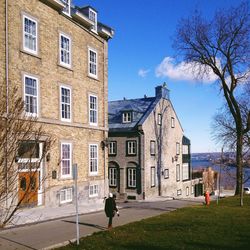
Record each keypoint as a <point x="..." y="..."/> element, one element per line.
<point x="65" y="67"/>
<point x="93" y="78"/>
<point x="30" y="54"/>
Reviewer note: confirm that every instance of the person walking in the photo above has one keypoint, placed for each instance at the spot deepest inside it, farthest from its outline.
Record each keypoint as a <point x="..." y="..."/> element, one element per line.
<point x="111" y="209"/>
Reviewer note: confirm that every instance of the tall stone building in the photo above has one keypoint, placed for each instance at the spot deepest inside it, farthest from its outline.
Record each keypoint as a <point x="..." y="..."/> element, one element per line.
<point x="56" y="55"/>
<point x="149" y="155"/>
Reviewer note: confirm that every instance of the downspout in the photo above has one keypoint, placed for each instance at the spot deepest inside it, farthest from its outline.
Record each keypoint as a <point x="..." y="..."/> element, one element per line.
<point x="7" y="96"/>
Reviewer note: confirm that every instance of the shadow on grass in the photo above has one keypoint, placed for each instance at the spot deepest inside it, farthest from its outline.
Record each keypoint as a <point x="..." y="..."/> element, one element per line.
<point x="87" y="224"/>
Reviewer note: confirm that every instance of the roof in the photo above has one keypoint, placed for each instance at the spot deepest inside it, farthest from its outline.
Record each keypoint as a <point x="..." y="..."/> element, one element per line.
<point x="140" y="108"/>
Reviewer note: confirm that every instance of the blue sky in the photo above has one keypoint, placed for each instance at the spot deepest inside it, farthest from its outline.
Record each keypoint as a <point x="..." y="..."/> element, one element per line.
<point x="141" y="57"/>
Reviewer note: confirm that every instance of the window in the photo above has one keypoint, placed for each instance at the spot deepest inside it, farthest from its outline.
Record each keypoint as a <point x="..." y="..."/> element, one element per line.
<point x="112" y="148"/>
<point x="187" y="191"/>
<point x="112" y="177"/>
<point x="65" y="104"/>
<point x="152" y="147"/>
<point x="66" y="161"/>
<point x="177" y="148"/>
<point x="31" y="95"/>
<point x="185" y="150"/>
<point x="179" y="192"/>
<point x="66" y="9"/>
<point x="185" y="171"/>
<point x="131" y="147"/>
<point x="93" y="17"/>
<point x="127" y="117"/>
<point x="66" y="195"/>
<point x="178" y="172"/>
<point x="159" y="119"/>
<point x="93" y="190"/>
<point x="192" y="189"/>
<point x="93" y="158"/>
<point x="166" y="173"/>
<point x="172" y="122"/>
<point x="131" y="177"/>
<point x="29" y="35"/>
<point x="93" y="110"/>
<point x="92" y="63"/>
<point x="65" y="50"/>
<point x="152" y="176"/>
<point x="28" y="150"/>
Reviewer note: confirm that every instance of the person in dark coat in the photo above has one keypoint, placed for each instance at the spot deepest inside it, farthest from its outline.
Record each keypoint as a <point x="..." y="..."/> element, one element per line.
<point x="110" y="209"/>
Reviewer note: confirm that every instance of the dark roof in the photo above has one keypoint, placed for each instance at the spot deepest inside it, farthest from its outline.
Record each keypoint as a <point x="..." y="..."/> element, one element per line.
<point x="140" y="108"/>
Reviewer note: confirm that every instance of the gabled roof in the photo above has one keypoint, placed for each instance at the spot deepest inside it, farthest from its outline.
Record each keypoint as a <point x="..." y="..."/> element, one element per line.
<point x="139" y="107"/>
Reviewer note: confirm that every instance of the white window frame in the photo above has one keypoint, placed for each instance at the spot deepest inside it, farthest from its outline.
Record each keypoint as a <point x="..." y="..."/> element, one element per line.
<point x="179" y="192"/>
<point x="152" y="147"/>
<point x="172" y="122"/>
<point x="68" y="192"/>
<point x="66" y="159"/>
<point x="177" y="148"/>
<point x="187" y="191"/>
<point x="93" y="110"/>
<point x="153" y="176"/>
<point x="178" y="172"/>
<point x="159" y="119"/>
<point x="192" y="189"/>
<point x="127" y="117"/>
<point x="93" y="190"/>
<point x="62" y="63"/>
<point x="93" y="160"/>
<point x="64" y="103"/>
<point x="131" y="147"/>
<point x="131" y="177"/>
<point x="112" y="147"/>
<point x="34" y="114"/>
<point x="113" y="176"/>
<point x="185" y="171"/>
<point x="166" y="173"/>
<point x="94" y="28"/>
<point x="67" y="3"/>
<point x="29" y="50"/>
<point x="95" y="64"/>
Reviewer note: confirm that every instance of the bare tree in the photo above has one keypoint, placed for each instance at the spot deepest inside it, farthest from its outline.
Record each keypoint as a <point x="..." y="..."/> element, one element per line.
<point x="20" y="156"/>
<point x="222" y="46"/>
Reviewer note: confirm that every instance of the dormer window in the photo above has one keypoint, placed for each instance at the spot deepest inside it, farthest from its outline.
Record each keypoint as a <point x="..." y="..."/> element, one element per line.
<point x="93" y="18"/>
<point x="127" y="117"/>
<point x="67" y="7"/>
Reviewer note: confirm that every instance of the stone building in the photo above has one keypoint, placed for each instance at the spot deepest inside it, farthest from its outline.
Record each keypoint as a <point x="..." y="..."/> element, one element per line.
<point x="149" y="155"/>
<point x="56" y="55"/>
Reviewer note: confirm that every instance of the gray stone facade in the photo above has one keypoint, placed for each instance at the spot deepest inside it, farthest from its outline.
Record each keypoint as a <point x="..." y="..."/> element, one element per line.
<point x="162" y="171"/>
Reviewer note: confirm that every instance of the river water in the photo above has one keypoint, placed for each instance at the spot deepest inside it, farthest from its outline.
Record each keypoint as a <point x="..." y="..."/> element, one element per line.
<point x="228" y="173"/>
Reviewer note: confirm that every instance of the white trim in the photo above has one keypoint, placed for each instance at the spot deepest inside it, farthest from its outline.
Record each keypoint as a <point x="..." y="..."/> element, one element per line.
<point x="37" y="96"/>
<point x="127" y="117"/>
<point x="112" y="150"/>
<point x="95" y="190"/>
<point x="69" y="5"/>
<point x="67" y="65"/>
<point x="35" y="52"/>
<point x="97" y="159"/>
<point x="70" y="160"/>
<point x="96" y="63"/>
<point x="96" y="110"/>
<point x="70" y="103"/>
<point x="67" y="191"/>
<point x="94" y="28"/>
<point x="133" y="175"/>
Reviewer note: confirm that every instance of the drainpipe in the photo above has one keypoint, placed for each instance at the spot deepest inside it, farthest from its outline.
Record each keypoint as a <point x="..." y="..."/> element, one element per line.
<point x="7" y="96"/>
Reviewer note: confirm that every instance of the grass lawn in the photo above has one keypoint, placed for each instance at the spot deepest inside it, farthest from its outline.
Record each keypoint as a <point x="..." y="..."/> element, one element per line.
<point x="223" y="226"/>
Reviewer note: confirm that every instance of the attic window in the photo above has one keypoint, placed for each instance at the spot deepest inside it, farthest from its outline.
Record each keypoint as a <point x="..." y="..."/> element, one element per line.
<point x="66" y="9"/>
<point x="127" y="117"/>
<point x="93" y="17"/>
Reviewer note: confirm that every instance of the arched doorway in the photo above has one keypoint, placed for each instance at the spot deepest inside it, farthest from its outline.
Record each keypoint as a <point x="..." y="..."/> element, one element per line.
<point x="114" y="177"/>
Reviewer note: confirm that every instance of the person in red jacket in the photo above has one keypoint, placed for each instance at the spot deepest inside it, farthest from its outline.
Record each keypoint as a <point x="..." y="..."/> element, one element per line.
<point x="111" y="209"/>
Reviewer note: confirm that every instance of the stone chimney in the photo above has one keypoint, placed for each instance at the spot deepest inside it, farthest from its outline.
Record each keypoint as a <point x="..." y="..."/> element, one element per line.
<point x="162" y="91"/>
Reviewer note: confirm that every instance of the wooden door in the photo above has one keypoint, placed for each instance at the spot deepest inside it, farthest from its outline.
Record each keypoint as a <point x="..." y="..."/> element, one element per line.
<point x="28" y="188"/>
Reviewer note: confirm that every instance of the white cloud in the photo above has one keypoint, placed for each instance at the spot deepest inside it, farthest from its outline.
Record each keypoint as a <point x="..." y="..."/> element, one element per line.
<point x="143" y="72"/>
<point x="183" y="71"/>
